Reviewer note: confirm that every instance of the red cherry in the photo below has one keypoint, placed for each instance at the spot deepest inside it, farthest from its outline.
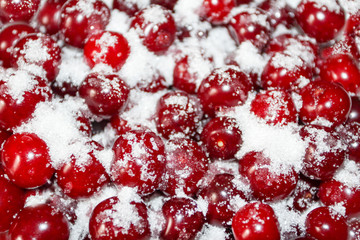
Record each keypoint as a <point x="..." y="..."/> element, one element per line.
<point x="351" y="135"/>
<point x="222" y="138"/>
<point x="18" y="10"/>
<point x="4" y="135"/>
<point x="41" y="222"/>
<point x="48" y="16"/>
<point x="347" y="45"/>
<point x="336" y="193"/>
<point x="39" y="50"/>
<point x="224" y="87"/>
<point x="354" y="115"/>
<point x="139" y="161"/>
<point x="11" y="201"/>
<point x="26" y="160"/>
<point x="256" y="221"/>
<point x="267" y="182"/>
<point x="156" y="26"/>
<point x="178" y="113"/>
<point x="219" y="194"/>
<point x="279" y="12"/>
<point x="305" y="194"/>
<point x="156" y="84"/>
<point x="342" y="68"/>
<point x="105" y="94"/>
<point x="17" y="104"/>
<point x="186" y="165"/>
<point x="217" y="12"/>
<point x="354" y="229"/>
<point x="110" y="48"/>
<point x="320" y="20"/>
<point x="117" y="219"/>
<point x="9" y="34"/>
<point x="120" y="125"/>
<point x="324" y="153"/>
<point x="183" y="219"/>
<point x="83" y="179"/>
<point x="285" y="71"/>
<point x="274" y="106"/>
<point x="169" y="4"/>
<point x="250" y="24"/>
<point x="323" y="223"/>
<point x="324" y="103"/>
<point x="130" y="7"/>
<point x="81" y="18"/>
<point x="352" y="23"/>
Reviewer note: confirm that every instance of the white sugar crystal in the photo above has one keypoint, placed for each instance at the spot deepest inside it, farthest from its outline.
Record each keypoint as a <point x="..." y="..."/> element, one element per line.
<point x="35" y="51"/>
<point x="154" y="15"/>
<point x="261" y="19"/>
<point x="350" y="6"/>
<point x="293" y="3"/>
<point x="348" y="174"/>
<point x="86" y="7"/>
<point x="18" y="82"/>
<point x="106" y="41"/>
<point x="105" y="157"/>
<point x="212" y="232"/>
<point x="330" y="5"/>
<point x="55" y="123"/>
<point x="285" y="61"/>
<point x="119" y="22"/>
<point x="249" y="58"/>
<point x="187" y="11"/>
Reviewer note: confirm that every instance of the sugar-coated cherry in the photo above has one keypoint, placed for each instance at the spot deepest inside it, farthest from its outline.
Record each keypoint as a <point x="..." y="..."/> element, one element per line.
<point x="139" y="161"/>
<point x="22" y="10"/>
<point x="320" y="20"/>
<point x="48" y="17"/>
<point x="110" y="48"/>
<point x="250" y="24"/>
<point x="333" y="192"/>
<point x="324" y="103"/>
<point x="346" y="45"/>
<point x="183" y="219"/>
<point x="178" y="113"/>
<point x="169" y="4"/>
<point x="11" y="201"/>
<point x="156" y="26"/>
<point x="186" y="165"/>
<point x="26" y="160"/>
<point x="81" y="18"/>
<point x="82" y="179"/>
<point x="130" y="7"/>
<point x="267" y="182"/>
<point x="219" y="194"/>
<point x="41" y="222"/>
<point x="217" y="12"/>
<point x="116" y="218"/>
<point x="256" y="221"/>
<point x="324" y="223"/>
<point x="324" y="153"/>
<point x="351" y="136"/>
<point x="222" y="138"/>
<point x="9" y="34"/>
<point x="157" y="83"/>
<point x="224" y="87"/>
<point x="354" y="229"/>
<point x="105" y="94"/>
<point x="342" y="69"/>
<point x="279" y="12"/>
<point x="305" y="194"/>
<point x="354" y="115"/>
<point x="37" y="50"/>
<point x="352" y="23"/>
<point x="274" y="106"/>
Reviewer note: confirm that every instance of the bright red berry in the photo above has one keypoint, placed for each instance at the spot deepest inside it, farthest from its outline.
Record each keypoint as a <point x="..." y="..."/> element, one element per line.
<point x="217" y="12"/>
<point x="18" y="10"/>
<point x="48" y="16"/>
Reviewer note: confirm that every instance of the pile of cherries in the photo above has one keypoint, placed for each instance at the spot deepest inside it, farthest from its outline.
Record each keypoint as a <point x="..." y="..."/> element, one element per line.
<point x="317" y="60"/>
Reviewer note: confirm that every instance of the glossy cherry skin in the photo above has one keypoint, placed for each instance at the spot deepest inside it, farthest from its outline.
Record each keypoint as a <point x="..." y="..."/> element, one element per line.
<point x="255" y="221"/>
<point x="41" y="222"/>
<point x="9" y="34"/>
<point x="323" y="155"/>
<point x="186" y="165"/>
<point x="110" y="48"/>
<point x="250" y="25"/>
<point x="351" y="136"/>
<point x="279" y="13"/>
<point x="275" y="107"/>
<point x="183" y="219"/>
<point x="318" y="21"/>
<point x="11" y="201"/>
<point x="108" y="222"/>
<point x="266" y="183"/>
<point x="224" y="87"/>
<point x="342" y="69"/>
<point x="324" y="103"/>
<point x="323" y="223"/>
<point x="48" y="16"/>
<point x="346" y="45"/>
<point x="158" y="33"/>
<point x="222" y="138"/>
<point x="336" y="193"/>
<point x="26" y="160"/>
<point x="219" y="194"/>
<point x="178" y="113"/>
<point x="105" y="94"/>
<point x="83" y="179"/>
<point x="217" y="12"/>
<point x="354" y="115"/>
<point x="128" y="6"/>
<point x="139" y="161"/>
<point x="18" y="10"/>
<point x="352" y="23"/>
<point x="4" y="135"/>
<point x="77" y="23"/>
<point x="354" y="229"/>
<point x="39" y="50"/>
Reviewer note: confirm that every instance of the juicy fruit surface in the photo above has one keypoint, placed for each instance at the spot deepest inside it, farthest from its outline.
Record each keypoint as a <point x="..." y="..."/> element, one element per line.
<point x="179" y="119"/>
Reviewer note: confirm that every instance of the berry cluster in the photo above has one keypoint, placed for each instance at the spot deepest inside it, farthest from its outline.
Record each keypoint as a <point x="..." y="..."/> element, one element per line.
<point x="180" y="119"/>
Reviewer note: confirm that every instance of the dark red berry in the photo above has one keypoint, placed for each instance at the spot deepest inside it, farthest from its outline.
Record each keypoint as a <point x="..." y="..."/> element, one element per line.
<point x="48" y="16"/>
<point x="22" y="10"/>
